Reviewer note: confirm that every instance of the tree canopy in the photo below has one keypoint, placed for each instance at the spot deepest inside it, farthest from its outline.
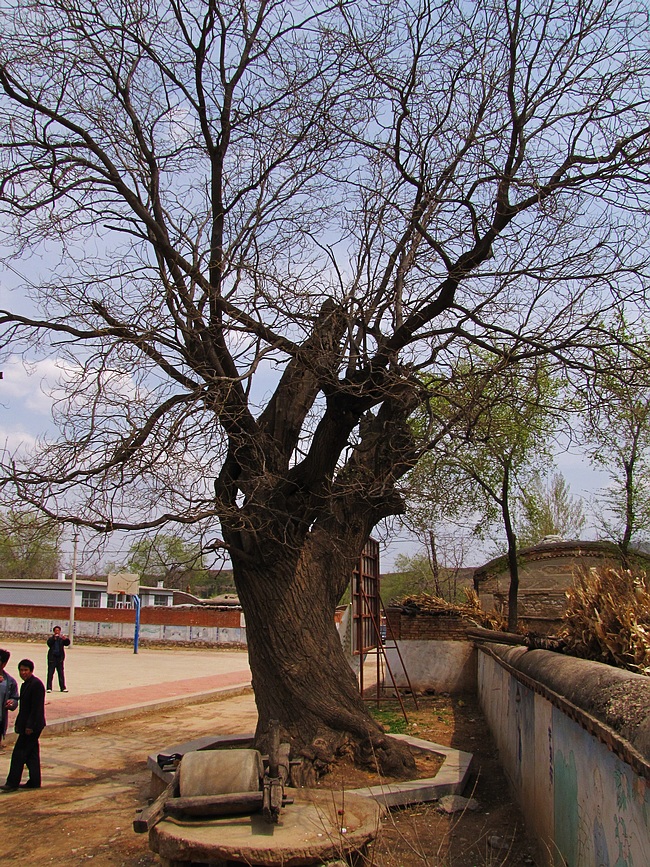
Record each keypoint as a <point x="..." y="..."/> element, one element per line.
<point x="29" y="545"/>
<point x="616" y="427"/>
<point x="492" y="425"/>
<point x="273" y="225"/>
<point x="547" y="508"/>
<point x="169" y="558"/>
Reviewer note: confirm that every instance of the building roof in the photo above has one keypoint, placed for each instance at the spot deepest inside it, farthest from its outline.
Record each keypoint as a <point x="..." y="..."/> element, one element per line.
<point x="81" y="583"/>
<point x="553" y="549"/>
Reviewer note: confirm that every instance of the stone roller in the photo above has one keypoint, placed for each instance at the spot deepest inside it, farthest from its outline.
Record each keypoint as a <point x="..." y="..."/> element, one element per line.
<point x="220" y="772"/>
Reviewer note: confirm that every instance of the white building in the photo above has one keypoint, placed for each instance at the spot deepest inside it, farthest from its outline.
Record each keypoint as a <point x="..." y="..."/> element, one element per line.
<point x="88" y="594"/>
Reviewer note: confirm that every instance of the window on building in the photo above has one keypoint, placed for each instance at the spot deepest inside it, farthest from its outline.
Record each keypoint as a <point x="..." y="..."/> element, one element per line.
<point x="119" y="600"/>
<point x="160" y="599"/>
<point x="90" y="598"/>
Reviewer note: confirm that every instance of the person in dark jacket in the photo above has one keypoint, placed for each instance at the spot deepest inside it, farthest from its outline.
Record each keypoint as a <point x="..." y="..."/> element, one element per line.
<point x="30" y="722"/>
<point x="8" y="694"/>
<point x="56" y="645"/>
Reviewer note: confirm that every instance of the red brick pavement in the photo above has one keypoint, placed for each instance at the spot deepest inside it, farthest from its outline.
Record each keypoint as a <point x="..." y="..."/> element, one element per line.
<point x="68" y="706"/>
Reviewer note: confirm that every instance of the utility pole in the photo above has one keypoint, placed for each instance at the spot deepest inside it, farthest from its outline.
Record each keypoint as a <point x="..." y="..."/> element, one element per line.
<point x="73" y="587"/>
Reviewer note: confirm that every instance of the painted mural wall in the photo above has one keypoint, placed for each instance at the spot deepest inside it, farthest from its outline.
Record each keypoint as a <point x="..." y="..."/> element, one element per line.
<point x="588" y="807"/>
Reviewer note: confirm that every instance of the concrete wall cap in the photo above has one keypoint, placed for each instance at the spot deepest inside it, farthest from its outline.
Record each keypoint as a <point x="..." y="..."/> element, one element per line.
<point x="614" y="696"/>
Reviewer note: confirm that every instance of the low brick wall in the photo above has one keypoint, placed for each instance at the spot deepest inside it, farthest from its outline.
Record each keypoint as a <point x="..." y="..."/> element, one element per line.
<point x="432" y="626"/>
<point x="197" y="624"/>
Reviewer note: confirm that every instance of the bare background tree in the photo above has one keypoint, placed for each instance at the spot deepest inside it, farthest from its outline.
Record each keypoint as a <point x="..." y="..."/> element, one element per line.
<point x="274" y="226"/>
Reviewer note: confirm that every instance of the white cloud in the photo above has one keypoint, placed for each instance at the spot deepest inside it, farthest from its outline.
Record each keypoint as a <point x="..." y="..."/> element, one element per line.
<point x="33" y="386"/>
<point x="16" y="440"/>
<point x="25" y="405"/>
<point x="27" y="385"/>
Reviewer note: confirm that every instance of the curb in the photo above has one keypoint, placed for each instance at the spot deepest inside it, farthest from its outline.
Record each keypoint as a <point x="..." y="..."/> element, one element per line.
<point x="82" y="721"/>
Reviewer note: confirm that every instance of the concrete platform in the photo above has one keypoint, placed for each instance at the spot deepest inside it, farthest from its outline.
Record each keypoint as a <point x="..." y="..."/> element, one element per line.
<point x="450" y="779"/>
<point x="319" y="826"/>
<point x="107" y="683"/>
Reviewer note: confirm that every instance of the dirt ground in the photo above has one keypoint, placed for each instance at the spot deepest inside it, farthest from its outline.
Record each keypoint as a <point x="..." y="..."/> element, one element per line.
<point x="95" y="779"/>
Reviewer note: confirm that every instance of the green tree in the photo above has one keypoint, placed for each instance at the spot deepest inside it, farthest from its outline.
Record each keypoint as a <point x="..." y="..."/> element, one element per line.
<point x="271" y="223"/>
<point x="29" y="545"/>
<point x="616" y="420"/>
<point x="417" y="568"/>
<point x="499" y="422"/>
<point x="169" y="558"/>
<point x="439" y="514"/>
<point x="547" y="508"/>
<point x="424" y="573"/>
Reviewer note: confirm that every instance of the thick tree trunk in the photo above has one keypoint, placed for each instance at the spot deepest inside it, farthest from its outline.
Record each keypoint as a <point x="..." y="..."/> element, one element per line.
<point x="300" y="674"/>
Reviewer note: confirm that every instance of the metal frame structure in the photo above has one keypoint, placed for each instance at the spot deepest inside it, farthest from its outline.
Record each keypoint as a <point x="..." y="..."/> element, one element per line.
<point x="367" y="613"/>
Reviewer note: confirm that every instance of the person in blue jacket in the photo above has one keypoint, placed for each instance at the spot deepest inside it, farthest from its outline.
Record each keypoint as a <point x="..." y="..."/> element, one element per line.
<point x="56" y="645"/>
<point x="8" y="694"/>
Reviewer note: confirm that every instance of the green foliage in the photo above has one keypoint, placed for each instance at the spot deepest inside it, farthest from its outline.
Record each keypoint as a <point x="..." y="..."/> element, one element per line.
<point x="498" y="417"/>
<point x="547" y="508"/>
<point x="394" y="585"/>
<point x="216" y="584"/>
<point x="498" y="414"/>
<point x="418" y="569"/>
<point x="392" y="721"/>
<point x="417" y="575"/>
<point x="616" y="415"/>
<point x="29" y="545"/>
<point x="169" y="558"/>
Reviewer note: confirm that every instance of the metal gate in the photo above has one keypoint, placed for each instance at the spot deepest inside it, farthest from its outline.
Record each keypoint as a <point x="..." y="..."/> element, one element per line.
<point x="369" y="624"/>
<point x="366" y="604"/>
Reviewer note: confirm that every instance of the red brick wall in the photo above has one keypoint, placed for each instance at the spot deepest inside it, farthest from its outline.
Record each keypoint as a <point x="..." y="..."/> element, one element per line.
<point x="199" y="616"/>
<point x="425" y="627"/>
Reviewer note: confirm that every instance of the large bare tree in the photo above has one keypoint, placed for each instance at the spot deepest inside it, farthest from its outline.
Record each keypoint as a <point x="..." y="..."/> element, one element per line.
<point x="266" y="222"/>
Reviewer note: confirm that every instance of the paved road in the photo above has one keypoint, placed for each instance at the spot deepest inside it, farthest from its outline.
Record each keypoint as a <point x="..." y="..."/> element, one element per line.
<point x="109" y="682"/>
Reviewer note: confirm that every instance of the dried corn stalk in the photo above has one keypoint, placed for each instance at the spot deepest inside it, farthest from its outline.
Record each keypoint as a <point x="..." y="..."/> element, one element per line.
<point x="608" y="617"/>
<point x="425" y="603"/>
